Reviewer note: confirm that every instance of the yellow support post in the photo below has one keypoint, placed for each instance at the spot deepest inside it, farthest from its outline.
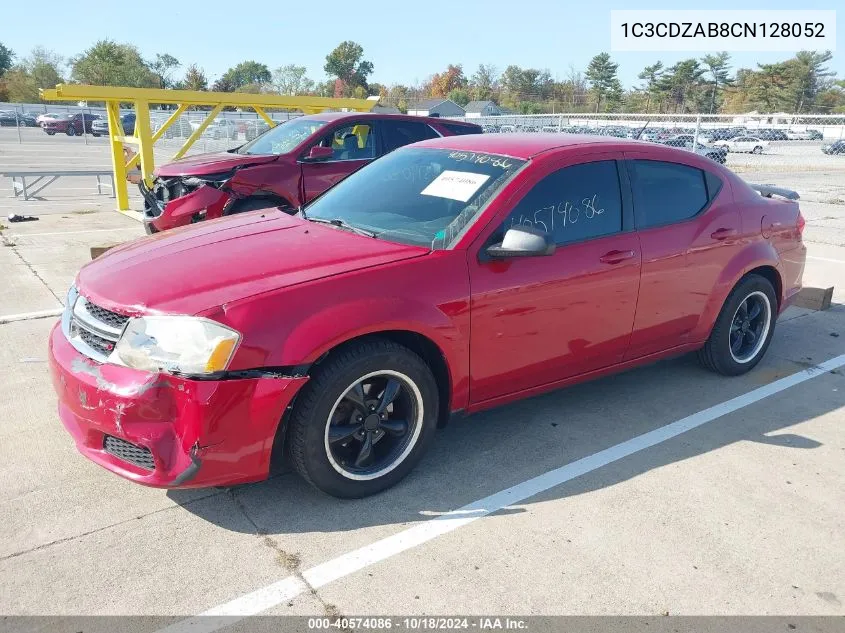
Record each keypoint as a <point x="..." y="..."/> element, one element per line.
<point x="145" y="141"/>
<point x="113" y="96"/>
<point x="260" y="112"/>
<point x="121" y="191"/>
<point x="198" y="132"/>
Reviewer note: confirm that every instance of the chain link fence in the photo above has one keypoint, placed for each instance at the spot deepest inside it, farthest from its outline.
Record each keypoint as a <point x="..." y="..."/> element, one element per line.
<point x="39" y="123"/>
<point x="745" y="142"/>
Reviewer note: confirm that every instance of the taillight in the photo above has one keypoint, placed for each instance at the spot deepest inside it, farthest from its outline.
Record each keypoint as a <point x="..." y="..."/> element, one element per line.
<point x="800" y="223"/>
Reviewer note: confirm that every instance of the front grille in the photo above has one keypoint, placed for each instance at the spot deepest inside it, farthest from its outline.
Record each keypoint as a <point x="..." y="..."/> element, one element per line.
<point x="102" y="345"/>
<point x="106" y="316"/>
<point x="93" y="330"/>
<point x="138" y="455"/>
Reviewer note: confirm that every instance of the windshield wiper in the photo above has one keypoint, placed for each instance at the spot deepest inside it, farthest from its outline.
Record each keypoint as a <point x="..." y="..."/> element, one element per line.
<point x="341" y="223"/>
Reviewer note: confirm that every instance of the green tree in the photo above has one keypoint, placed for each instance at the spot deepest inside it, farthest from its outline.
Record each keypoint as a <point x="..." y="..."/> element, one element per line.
<point x="718" y="66"/>
<point x="248" y="76"/>
<point x="163" y="66"/>
<point x="346" y="63"/>
<point x="291" y="80"/>
<point x="651" y="75"/>
<point x="108" y="63"/>
<point x="194" y="79"/>
<point x="483" y="83"/>
<point x="459" y="96"/>
<point x="41" y="69"/>
<point x="6" y="59"/>
<point x="603" y="80"/>
<point x="682" y="85"/>
<point x="808" y="75"/>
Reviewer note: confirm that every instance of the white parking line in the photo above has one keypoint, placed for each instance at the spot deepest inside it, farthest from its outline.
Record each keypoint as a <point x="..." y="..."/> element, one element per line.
<point x="826" y="259"/>
<point x="26" y="316"/>
<point x="288" y="588"/>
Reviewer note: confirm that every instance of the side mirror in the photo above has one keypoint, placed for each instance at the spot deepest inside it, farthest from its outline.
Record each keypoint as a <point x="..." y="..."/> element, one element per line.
<point x="523" y="241"/>
<point x="318" y="153"/>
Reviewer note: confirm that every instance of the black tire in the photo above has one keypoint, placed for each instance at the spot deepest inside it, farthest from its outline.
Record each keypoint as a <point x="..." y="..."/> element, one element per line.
<point x="70" y="131"/>
<point x="51" y="133"/>
<point x="95" y="135"/>
<point x="718" y="354"/>
<point x="321" y="402"/>
<point x="255" y="204"/>
<point x="757" y="150"/>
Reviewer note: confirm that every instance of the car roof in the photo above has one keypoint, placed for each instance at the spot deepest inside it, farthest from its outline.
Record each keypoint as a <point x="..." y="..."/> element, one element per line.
<point x="335" y="116"/>
<point x="526" y="146"/>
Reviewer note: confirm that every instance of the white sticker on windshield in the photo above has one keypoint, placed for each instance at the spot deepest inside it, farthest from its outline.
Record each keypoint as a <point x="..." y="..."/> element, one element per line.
<point x="455" y="185"/>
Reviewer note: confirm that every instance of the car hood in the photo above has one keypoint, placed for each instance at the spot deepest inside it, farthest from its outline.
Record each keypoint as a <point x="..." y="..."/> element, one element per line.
<point x="200" y="267"/>
<point x="215" y="163"/>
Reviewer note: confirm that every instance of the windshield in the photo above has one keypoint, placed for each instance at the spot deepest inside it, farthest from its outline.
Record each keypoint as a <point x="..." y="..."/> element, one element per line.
<point x="282" y="138"/>
<point x="419" y="196"/>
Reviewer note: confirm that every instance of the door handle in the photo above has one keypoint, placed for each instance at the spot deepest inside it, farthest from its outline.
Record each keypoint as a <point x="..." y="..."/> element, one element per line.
<point x="616" y="257"/>
<point x="723" y="234"/>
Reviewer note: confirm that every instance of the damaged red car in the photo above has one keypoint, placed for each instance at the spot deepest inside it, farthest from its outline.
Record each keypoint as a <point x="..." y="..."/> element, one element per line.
<point x="285" y="167"/>
<point x="449" y="276"/>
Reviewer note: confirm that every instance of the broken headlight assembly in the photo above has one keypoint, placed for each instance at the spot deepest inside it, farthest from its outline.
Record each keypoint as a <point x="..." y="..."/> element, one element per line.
<point x="213" y="180"/>
<point x="176" y="344"/>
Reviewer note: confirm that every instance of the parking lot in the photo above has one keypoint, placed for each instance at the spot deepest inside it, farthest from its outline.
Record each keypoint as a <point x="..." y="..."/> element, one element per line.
<point x="663" y="490"/>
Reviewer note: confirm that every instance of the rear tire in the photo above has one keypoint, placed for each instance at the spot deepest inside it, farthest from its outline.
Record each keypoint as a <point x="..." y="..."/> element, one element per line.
<point x="743" y="329"/>
<point x="331" y="419"/>
<point x="757" y="150"/>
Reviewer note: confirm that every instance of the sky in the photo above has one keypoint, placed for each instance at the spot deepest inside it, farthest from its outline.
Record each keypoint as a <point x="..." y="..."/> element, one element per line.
<point x="406" y="41"/>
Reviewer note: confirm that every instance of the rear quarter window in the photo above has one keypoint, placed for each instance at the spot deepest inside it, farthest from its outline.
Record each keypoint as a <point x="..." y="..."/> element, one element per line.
<point x="666" y="193"/>
<point x="459" y="130"/>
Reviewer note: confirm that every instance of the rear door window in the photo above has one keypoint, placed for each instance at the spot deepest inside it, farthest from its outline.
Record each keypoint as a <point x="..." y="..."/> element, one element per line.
<point x="399" y="133"/>
<point x="665" y="193"/>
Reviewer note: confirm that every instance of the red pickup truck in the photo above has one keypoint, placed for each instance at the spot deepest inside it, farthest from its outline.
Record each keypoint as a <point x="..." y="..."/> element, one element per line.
<point x="285" y="167"/>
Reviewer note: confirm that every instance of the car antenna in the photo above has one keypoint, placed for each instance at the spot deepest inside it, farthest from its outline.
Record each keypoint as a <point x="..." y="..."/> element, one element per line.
<point x="641" y="131"/>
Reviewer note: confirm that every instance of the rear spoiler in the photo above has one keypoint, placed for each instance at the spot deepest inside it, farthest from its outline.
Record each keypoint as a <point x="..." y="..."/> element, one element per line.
<point x="767" y="191"/>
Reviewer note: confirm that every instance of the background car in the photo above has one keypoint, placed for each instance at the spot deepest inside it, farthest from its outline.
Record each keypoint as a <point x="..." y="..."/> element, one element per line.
<point x="750" y="144"/>
<point x="222" y="128"/>
<point x="100" y="127"/>
<point x="12" y="117"/>
<point x="803" y="135"/>
<point x="284" y="167"/>
<point x="837" y="148"/>
<point x="70" y="124"/>
<point x="47" y="115"/>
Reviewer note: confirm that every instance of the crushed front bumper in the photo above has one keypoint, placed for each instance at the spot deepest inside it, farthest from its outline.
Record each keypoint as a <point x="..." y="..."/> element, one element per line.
<point x="181" y="211"/>
<point x="164" y="431"/>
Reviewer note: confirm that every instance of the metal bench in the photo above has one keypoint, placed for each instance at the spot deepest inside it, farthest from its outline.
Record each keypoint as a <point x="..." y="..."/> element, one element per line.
<point x="39" y="180"/>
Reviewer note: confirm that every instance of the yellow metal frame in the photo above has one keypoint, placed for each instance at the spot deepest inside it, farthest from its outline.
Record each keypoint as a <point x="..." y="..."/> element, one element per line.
<point x="144" y="138"/>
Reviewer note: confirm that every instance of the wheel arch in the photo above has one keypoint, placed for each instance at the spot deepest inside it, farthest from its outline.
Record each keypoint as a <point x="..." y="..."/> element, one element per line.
<point x="422" y="345"/>
<point x="759" y="258"/>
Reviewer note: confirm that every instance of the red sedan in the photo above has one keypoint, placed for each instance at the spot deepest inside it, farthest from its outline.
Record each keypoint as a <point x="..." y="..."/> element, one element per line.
<point x="70" y="124"/>
<point x="285" y="167"/>
<point x="452" y="275"/>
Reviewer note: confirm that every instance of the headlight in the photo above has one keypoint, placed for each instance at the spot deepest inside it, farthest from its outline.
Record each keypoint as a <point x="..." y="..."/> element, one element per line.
<point x="72" y="296"/>
<point x="182" y="344"/>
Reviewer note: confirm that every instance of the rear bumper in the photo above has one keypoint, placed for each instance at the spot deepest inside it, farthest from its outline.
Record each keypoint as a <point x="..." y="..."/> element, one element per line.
<point x="184" y="210"/>
<point x="189" y="433"/>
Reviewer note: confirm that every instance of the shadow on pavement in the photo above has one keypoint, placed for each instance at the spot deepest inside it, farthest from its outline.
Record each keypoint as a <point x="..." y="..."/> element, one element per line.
<point x="482" y="454"/>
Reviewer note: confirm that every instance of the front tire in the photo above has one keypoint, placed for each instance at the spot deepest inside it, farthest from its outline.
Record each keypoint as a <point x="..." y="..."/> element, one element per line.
<point x="364" y="420"/>
<point x="744" y="328"/>
<point x="71" y="131"/>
